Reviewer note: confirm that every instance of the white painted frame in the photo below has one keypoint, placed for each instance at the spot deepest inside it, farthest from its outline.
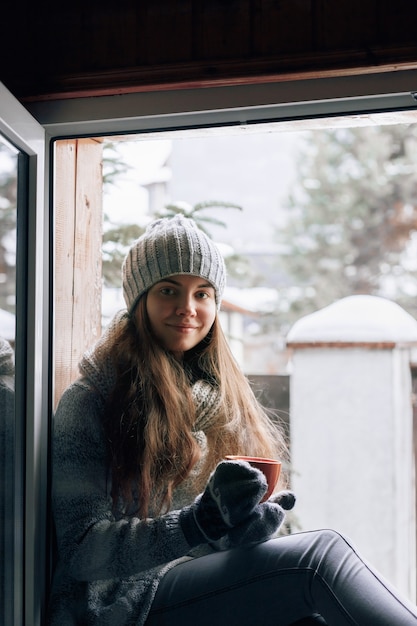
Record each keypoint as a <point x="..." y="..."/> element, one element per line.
<point x="28" y="136"/>
<point x="239" y="105"/>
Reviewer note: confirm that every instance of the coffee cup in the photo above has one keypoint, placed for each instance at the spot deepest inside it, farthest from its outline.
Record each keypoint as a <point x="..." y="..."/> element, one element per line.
<point x="270" y="468"/>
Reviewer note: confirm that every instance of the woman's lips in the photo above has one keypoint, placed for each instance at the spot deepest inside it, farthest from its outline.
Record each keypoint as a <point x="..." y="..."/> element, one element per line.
<point x="182" y="328"/>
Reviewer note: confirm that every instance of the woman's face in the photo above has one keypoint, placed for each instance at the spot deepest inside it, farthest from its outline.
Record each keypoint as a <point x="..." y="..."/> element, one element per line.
<point x="181" y="311"/>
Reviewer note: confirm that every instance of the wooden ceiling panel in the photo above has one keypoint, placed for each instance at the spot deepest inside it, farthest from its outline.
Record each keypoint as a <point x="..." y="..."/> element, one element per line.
<point x="101" y="47"/>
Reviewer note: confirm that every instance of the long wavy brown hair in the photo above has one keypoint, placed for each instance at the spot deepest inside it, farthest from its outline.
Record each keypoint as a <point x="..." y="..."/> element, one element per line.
<point x="150" y="414"/>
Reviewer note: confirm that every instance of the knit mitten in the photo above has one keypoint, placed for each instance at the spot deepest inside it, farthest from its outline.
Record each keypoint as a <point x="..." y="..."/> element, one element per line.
<point x="285" y="498"/>
<point x="232" y="494"/>
<point x="263" y="523"/>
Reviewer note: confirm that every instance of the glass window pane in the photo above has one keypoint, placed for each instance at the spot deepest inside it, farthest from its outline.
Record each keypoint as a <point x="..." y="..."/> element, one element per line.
<point x="8" y="214"/>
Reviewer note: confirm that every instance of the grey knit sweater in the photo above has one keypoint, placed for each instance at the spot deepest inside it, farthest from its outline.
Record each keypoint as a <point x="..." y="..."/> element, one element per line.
<point x="109" y="564"/>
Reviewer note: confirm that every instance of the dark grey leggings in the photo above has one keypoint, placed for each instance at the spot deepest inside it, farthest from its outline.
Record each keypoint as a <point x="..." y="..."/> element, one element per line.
<point x="279" y="582"/>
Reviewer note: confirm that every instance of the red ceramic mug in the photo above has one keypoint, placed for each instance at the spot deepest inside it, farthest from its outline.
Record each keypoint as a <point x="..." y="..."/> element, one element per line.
<point x="270" y="468"/>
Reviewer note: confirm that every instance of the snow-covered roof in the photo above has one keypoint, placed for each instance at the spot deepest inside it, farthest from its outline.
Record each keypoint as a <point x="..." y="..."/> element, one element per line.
<point x="356" y="319"/>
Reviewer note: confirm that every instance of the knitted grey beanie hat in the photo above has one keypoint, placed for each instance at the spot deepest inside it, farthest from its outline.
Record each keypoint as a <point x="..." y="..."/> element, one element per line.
<point x="171" y="246"/>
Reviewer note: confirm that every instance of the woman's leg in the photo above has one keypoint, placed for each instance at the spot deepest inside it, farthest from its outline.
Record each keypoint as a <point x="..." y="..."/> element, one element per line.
<point x="277" y="583"/>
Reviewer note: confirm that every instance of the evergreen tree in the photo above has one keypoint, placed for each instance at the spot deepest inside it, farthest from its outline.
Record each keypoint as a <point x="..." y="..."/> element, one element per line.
<point x="352" y="219"/>
<point x="195" y="212"/>
<point x="116" y="243"/>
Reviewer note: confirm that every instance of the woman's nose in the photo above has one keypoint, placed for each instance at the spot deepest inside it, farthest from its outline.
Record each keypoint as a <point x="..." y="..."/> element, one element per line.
<point x="186" y="306"/>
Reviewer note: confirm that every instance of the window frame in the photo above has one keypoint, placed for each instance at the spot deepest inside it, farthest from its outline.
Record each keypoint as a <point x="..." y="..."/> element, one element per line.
<point x="32" y="356"/>
<point x="146" y="112"/>
<point x="236" y="105"/>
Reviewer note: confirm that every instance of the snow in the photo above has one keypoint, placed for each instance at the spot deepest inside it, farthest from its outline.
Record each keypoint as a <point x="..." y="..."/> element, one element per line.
<point x="257" y="299"/>
<point x="360" y="318"/>
<point x="7" y="325"/>
<point x="112" y="301"/>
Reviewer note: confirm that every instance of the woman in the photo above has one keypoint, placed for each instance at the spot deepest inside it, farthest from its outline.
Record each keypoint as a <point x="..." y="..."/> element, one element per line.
<point x="153" y="527"/>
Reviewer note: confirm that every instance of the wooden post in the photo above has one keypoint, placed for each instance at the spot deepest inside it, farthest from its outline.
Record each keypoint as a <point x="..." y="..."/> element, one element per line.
<point x="78" y="241"/>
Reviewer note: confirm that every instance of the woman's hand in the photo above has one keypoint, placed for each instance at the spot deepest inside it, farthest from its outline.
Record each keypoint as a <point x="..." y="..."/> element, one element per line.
<point x="230" y="505"/>
<point x="232" y="493"/>
<point x="263" y="523"/>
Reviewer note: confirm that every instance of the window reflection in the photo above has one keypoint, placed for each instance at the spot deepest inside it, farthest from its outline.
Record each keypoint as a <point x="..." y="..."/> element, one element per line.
<point x="8" y="213"/>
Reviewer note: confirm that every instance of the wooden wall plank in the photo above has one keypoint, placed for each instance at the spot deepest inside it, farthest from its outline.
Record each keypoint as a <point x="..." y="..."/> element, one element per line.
<point x="282" y="26"/>
<point x="222" y="29"/>
<point x="64" y="218"/>
<point x="346" y="25"/>
<point x="77" y="273"/>
<point x="87" y="246"/>
<point x="396" y="22"/>
<point x="168" y="31"/>
<point x="114" y="36"/>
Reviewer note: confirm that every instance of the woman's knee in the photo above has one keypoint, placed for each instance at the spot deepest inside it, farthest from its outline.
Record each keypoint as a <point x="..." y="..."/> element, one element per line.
<point x="327" y="538"/>
<point x="309" y="549"/>
<point x="328" y="535"/>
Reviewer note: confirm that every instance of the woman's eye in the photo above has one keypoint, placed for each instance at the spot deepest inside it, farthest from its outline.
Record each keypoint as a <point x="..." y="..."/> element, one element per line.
<point x="202" y="294"/>
<point x="167" y="291"/>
